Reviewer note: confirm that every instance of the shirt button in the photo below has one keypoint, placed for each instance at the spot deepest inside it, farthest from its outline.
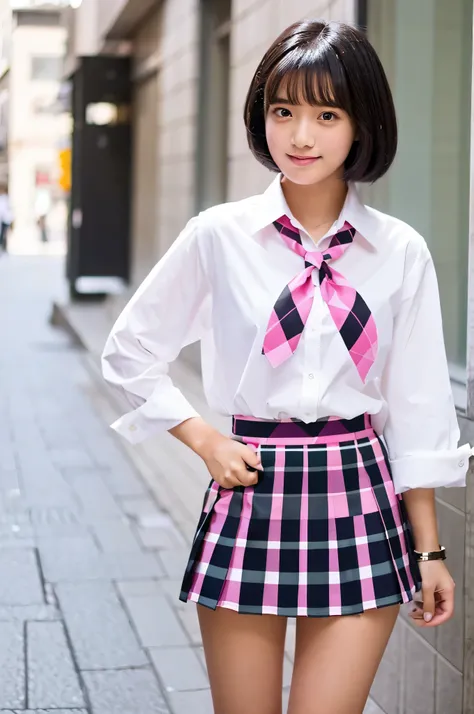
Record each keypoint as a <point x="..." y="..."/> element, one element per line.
<point x="311" y="376"/>
<point x="132" y="427"/>
<point x="461" y="464"/>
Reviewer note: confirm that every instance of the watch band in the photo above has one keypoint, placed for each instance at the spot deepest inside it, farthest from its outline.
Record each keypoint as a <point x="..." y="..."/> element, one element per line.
<point x="431" y="554"/>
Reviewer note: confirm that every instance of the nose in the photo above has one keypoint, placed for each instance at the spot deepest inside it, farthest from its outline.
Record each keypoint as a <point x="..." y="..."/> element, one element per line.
<point x="303" y="135"/>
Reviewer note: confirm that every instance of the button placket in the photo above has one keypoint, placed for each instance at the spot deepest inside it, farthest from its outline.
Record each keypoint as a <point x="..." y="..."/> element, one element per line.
<point x="310" y="387"/>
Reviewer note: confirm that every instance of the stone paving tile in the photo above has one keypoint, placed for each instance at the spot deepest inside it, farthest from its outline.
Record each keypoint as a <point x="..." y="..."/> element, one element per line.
<point x="12" y="666"/>
<point x="171" y="588"/>
<point x="18" y="544"/>
<point x="123" y="481"/>
<point x="93" y="495"/>
<point x="179" y="668"/>
<point x="22" y="613"/>
<point x="52" y="679"/>
<point x="50" y="711"/>
<point x="290" y="639"/>
<point x="67" y="457"/>
<point x="199" y="702"/>
<point x="20" y="582"/>
<point x="115" y="535"/>
<point x="155" y="621"/>
<point x="16" y="529"/>
<point x="138" y="507"/>
<point x="9" y="474"/>
<point x="287" y="671"/>
<point x="126" y="692"/>
<point x="165" y="537"/>
<point x="189" y="620"/>
<point x="131" y="588"/>
<point x="55" y="516"/>
<point x="59" y="566"/>
<point x="174" y="562"/>
<point x="100" y="631"/>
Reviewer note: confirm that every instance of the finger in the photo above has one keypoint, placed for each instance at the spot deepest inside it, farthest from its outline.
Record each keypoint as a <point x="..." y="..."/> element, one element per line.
<point x="252" y="459"/>
<point x="428" y="603"/>
<point x="248" y="478"/>
<point x="444" y="610"/>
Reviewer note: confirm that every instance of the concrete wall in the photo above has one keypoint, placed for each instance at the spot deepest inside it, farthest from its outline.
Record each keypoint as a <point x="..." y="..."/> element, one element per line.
<point x="108" y="11"/>
<point x="422" y="671"/>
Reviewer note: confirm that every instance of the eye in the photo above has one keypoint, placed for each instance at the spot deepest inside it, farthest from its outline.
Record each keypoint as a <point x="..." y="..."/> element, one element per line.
<point x="328" y="116"/>
<point x="285" y="112"/>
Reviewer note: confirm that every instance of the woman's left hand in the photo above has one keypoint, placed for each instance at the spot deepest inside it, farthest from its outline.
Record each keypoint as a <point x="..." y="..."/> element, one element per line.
<point x="437" y="604"/>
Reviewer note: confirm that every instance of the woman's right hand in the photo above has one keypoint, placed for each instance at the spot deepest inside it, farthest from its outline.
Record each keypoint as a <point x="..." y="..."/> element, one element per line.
<point x="225" y="459"/>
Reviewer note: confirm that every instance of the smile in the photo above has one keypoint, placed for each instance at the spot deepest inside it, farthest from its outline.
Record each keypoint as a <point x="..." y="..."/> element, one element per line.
<point x="303" y="160"/>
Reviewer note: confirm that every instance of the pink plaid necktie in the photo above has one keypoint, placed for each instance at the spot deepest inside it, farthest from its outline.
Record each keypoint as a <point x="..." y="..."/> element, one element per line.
<point x="348" y="309"/>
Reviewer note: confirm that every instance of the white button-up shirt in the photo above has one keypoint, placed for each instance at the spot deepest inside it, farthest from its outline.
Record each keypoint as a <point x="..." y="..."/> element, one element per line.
<point x="218" y="283"/>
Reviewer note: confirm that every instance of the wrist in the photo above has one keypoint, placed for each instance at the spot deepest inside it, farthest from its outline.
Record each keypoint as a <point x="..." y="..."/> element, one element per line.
<point x="201" y="436"/>
<point x="426" y="545"/>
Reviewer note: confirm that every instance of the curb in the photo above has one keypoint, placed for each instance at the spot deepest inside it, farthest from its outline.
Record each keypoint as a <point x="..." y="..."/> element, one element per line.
<point x="59" y="318"/>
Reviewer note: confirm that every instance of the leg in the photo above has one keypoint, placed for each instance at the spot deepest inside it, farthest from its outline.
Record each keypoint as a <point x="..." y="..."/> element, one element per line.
<point x="244" y="657"/>
<point x="336" y="659"/>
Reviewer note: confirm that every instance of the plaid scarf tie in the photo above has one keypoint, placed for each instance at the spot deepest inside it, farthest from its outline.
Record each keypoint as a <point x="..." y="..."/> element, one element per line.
<point x="350" y="313"/>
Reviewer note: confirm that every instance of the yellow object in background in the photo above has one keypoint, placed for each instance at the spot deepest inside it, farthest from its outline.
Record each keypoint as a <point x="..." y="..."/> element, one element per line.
<point x="65" y="169"/>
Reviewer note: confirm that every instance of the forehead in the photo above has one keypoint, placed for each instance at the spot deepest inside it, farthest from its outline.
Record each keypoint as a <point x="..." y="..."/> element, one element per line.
<point x="303" y="87"/>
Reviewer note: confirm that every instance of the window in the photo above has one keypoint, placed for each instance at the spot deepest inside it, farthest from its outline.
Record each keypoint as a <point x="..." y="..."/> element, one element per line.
<point x="426" y="49"/>
<point x="214" y="82"/>
<point x="46" y="68"/>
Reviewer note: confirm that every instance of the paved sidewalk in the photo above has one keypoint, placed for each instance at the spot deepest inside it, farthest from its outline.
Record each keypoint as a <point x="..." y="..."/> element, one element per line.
<point x="90" y="559"/>
<point x="88" y="616"/>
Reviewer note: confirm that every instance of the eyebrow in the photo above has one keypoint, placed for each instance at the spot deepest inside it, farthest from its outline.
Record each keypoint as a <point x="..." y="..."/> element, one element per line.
<point x="285" y="100"/>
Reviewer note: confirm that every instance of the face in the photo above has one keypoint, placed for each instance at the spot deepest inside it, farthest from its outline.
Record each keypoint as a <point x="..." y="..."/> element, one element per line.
<point x="308" y="143"/>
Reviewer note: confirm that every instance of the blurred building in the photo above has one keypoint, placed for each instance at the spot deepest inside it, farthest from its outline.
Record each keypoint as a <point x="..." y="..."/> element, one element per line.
<point x="5" y="58"/>
<point x="35" y="55"/>
<point x="192" y="61"/>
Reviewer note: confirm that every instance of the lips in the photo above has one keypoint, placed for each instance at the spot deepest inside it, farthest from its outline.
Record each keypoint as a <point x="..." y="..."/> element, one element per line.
<point x="303" y="160"/>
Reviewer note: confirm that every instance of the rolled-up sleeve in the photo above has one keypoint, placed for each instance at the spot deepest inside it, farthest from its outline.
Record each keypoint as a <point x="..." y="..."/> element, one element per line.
<point x="421" y="431"/>
<point x="168" y="311"/>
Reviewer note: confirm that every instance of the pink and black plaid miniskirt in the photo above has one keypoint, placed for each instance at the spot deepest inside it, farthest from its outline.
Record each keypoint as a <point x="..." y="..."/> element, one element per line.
<point x="322" y="533"/>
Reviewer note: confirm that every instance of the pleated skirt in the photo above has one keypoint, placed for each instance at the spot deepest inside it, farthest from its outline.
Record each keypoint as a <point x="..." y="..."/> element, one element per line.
<point x="322" y="532"/>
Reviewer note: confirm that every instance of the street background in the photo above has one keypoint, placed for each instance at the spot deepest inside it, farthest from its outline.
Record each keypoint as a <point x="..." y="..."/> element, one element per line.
<point x="119" y="120"/>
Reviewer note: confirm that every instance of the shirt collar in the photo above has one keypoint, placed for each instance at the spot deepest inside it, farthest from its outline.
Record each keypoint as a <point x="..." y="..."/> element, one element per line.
<point x="272" y="205"/>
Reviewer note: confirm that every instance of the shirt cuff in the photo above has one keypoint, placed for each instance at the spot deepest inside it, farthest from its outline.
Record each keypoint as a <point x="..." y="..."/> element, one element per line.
<point x="431" y="469"/>
<point x="145" y="421"/>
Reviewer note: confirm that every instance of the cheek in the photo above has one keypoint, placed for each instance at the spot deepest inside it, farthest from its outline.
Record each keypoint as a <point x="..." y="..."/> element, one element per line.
<point x="339" y="143"/>
<point x="273" y="135"/>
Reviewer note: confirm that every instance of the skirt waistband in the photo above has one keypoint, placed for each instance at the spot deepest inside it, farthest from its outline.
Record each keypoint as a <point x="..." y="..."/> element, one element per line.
<point x="252" y="427"/>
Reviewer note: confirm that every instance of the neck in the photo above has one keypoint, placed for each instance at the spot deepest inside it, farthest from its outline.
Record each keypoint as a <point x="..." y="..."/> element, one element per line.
<point x="316" y="205"/>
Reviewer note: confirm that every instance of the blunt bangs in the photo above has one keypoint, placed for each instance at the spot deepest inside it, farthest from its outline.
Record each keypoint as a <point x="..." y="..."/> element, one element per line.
<point x="315" y="77"/>
<point x="327" y="64"/>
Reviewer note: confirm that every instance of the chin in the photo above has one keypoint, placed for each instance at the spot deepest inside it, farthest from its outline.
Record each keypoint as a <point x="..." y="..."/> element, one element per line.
<point x="304" y="177"/>
<point x="308" y="176"/>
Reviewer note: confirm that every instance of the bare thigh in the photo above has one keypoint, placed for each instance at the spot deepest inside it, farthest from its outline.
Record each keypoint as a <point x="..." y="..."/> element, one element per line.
<point x="336" y="659"/>
<point x="244" y="658"/>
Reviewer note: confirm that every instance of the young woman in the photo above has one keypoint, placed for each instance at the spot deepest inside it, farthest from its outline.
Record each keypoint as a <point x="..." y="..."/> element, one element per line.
<point x="321" y="336"/>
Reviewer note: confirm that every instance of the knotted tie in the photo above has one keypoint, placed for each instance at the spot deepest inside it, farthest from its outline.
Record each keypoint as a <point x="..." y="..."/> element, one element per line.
<point x="348" y="309"/>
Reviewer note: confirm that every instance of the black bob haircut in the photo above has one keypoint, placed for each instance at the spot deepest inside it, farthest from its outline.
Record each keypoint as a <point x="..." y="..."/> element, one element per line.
<point x="328" y="64"/>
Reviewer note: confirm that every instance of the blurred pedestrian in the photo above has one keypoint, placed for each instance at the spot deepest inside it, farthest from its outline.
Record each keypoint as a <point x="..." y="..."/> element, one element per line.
<point x="42" y="208"/>
<point x="322" y="338"/>
<point x="6" y="217"/>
